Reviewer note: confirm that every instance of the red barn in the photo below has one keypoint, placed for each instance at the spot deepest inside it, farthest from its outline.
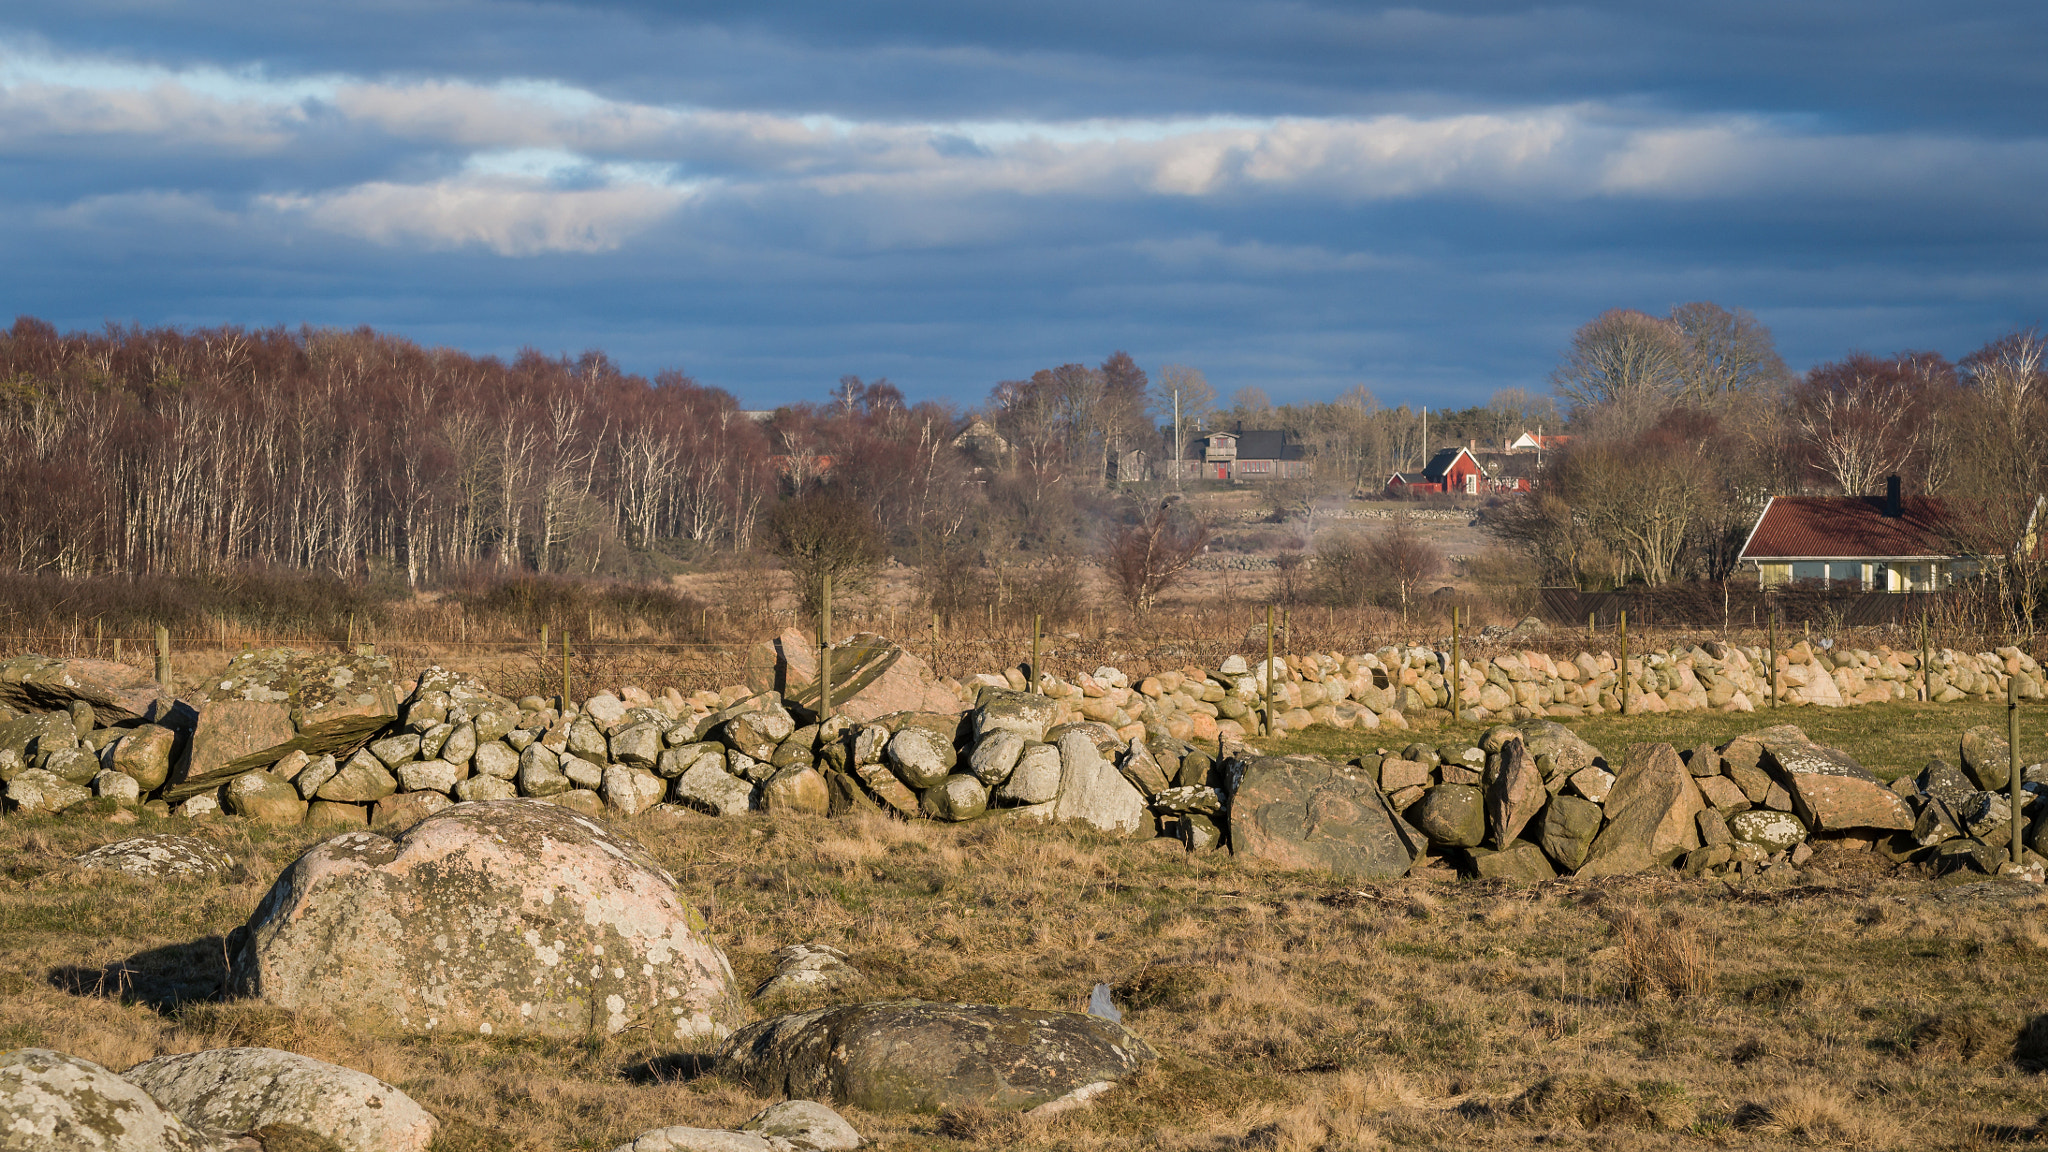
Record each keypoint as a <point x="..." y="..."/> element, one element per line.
<point x="1450" y="470"/>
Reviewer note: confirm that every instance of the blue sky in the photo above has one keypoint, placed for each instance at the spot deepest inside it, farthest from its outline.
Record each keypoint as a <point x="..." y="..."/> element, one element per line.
<point x="1301" y="197"/>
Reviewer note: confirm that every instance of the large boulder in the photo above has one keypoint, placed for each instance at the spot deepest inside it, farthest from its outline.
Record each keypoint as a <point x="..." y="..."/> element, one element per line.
<point x="34" y="792"/>
<point x="1771" y="831"/>
<point x="1451" y="815"/>
<point x="50" y="1102"/>
<point x="275" y="701"/>
<point x="1568" y="753"/>
<point x="1831" y="791"/>
<point x="922" y="757"/>
<point x="1651" y="813"/>
<point x="118" y="693"/>
<point x="1035" y="779"/>
<point x="145" y="755"/>
<point x="510" y="917"/>
<point x="919" y="1056"/>
<point x="1026" y="713"/>
<point x="1566" y="829"/>
<point x="1987" y="758"/>
<point x="1093" y="791"/>
<point x="160" y="856"/>
<point x="791" y="1126"/>
<point x="871" y="677"/>
<point x="1307" y="812"/>
<point x="243" y="1089"/>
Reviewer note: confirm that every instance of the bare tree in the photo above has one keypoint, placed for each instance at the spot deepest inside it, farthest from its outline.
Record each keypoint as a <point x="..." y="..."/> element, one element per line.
<point x="1624" y="360"/>
<point x="2003" y="481"/>
<point x="1403" y="559"/>
<point x="826" y="533"/>
<point x="1865" y="418"/>
<point x="1147" y="558"/>
<point x="1725" y="353"/>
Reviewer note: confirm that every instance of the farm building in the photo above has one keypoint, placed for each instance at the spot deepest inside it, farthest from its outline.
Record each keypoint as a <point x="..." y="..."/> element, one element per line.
<point x="1888" y="543"/>
<point x="1460" y="472"/>
<point x="1245" y="454"/>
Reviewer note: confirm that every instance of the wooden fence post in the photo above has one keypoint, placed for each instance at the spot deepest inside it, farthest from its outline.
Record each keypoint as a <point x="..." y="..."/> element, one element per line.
<point x="1269" y="670"/>
<point x="825" y="650"/>
<point x="1037" y="686"/>
<point x="1455" y="661"/>
<point x="1624" y="662"/>
<point x="1771" y="655"/>
<point x="163" y="656"/>
<point x="2012" y="752"/>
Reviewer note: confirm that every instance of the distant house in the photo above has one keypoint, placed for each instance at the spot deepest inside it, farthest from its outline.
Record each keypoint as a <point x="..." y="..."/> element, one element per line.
<point x="981" y="439"/>
<point x="1256" y="454"/>
<point x="1888" y="543"/>
<point x="1452" y="470"/>
<point x="1537" y="442"/>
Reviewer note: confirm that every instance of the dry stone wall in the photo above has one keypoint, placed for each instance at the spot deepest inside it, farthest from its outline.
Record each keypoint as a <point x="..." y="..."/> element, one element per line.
<point x="292" y="738"/>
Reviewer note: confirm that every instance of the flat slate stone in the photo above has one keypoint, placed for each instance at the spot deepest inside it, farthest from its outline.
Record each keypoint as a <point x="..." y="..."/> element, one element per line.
<point x="1308" y="812"/>
<point x="1831" y="791"/>
<point x="925" y="1056"/>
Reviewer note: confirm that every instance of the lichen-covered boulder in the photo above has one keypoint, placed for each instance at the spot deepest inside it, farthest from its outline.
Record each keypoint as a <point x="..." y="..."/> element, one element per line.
<point x="50" y="1102"/>
<point x="1093" y="791"/>
<point x="34" y="792"/>
<point x="1307" y="812"/>
<point x="176" y="857"/>
<point x="791" y="1126"/>
<point x="1451" y="815"/>
<point x="244" y="1089"/>
<point x="269" y="703"/>
<point x="921" y="1056"/>
<point x="1771" y="831"/>
<point x="512" y="917"/>
<point x="1831" y="791"/>
<point x="1025" y="713"/>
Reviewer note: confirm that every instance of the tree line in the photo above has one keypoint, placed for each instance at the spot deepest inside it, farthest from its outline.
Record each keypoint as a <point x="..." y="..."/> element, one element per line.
<point x="1685" y="425"/>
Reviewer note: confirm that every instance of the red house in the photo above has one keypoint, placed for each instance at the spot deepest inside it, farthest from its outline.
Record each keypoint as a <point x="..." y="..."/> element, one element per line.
<point x="1450" y="470"/>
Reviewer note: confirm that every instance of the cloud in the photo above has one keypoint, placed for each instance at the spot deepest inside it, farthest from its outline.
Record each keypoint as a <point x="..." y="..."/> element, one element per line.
<point x="508" y="216"/>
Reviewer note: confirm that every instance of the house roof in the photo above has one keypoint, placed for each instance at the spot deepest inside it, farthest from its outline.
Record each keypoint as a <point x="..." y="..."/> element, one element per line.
<point x="1502" y="466"/>
<point x="1273" y="444"/>
<point x="1440" y="464"/>
<point x="1849" y="528"/>
<point x="1411" y="478"/>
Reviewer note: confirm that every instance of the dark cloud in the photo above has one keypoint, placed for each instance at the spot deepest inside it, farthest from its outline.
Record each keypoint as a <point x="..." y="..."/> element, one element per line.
<point x="1859" y="175"/>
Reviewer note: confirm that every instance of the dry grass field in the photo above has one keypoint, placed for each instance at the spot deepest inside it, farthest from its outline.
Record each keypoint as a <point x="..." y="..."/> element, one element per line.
<point x="1853" y="1004"/>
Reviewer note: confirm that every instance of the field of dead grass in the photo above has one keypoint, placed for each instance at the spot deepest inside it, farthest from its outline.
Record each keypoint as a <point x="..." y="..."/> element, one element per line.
<point x="1862" y="1008"/>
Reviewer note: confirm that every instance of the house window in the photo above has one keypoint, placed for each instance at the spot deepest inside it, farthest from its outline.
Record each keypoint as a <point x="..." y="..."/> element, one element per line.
<point x="1809" y="570"/>
<point x="1848" y="572"/>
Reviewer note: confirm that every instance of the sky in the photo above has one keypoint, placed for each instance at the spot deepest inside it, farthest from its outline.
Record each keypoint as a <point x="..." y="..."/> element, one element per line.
<point x="1302" y="197"/>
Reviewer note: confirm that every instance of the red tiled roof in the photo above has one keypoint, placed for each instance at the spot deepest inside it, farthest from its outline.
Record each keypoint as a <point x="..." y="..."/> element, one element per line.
<point x="1849" y="527"/>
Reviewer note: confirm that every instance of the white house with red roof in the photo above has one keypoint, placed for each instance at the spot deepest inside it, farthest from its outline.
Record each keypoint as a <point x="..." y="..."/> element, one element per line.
<point x="1888" y="543"/>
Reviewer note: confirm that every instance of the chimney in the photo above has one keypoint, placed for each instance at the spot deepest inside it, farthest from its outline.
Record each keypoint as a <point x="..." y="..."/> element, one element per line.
<point x="1892" y="508"/>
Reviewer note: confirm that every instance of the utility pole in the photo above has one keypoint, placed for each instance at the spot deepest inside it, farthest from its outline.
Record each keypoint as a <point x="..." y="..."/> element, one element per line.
<point x="1177" y="440"/>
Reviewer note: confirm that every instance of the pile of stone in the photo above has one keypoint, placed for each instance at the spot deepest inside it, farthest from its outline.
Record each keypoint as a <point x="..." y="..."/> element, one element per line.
<point x="221" y="1100"/>
<point x="1533" y="802"/>
<point x="1962" y="818"/>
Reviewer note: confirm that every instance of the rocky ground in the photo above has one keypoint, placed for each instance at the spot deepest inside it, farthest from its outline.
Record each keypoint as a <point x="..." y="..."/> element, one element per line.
<point x="1047" y="920"/>
<point x="1863" y="1005"/>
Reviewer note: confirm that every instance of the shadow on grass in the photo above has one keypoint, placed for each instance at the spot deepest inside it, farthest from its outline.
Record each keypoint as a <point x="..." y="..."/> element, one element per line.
<point x="679" y="1068"/>
<point x="161" y="979"/>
